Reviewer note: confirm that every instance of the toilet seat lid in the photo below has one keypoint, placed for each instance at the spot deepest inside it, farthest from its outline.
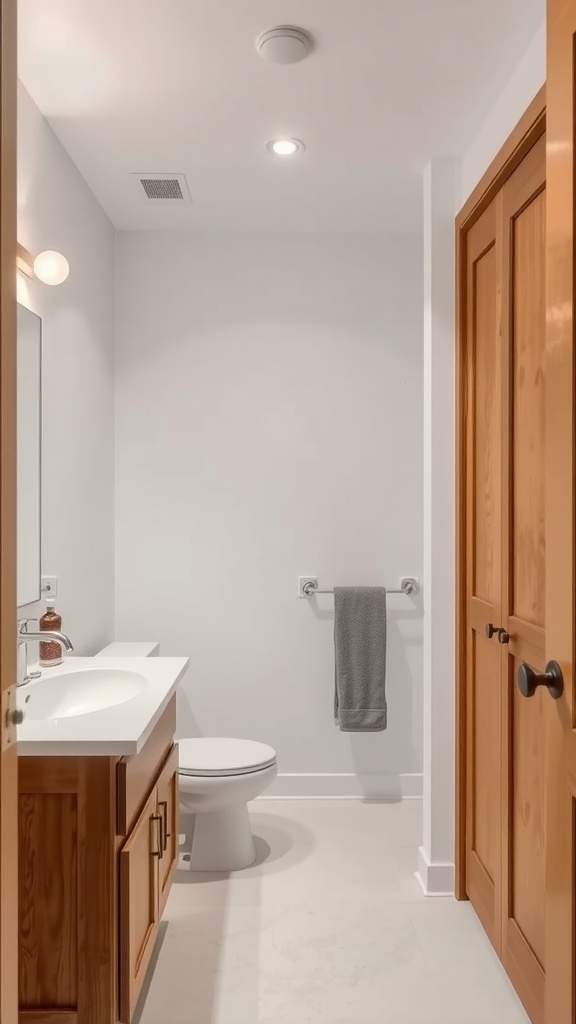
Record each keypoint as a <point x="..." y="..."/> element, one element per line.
<point x="209" y="756"/>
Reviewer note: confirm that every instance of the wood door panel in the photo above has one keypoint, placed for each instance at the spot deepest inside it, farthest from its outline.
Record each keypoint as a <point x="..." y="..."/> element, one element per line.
<point x="48" y="931"/>
<point x="486" y="576"/>
<point x="527" y="641"/>
<point x="479" y="614"/>
<point x="527" y="400"/>
<point x="8" y="475"/>
<point x="505" y="571"/>
<point x="527" y="817"/>
<point x="560" y="1007"/>
<point x="484" y="897"/>
<point x="525" y="971"/>
<point x="486" y="829"/>
<point x="523" y="560"/>
<point x="484" y="427"/>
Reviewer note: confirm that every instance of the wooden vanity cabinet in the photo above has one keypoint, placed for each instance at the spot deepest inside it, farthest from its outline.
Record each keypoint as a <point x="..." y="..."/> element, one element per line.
<point x="98" y="847"/>
<point x="147" y="863"/>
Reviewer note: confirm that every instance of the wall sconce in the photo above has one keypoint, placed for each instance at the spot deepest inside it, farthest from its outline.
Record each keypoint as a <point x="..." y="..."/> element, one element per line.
<point x="49" y="266"/>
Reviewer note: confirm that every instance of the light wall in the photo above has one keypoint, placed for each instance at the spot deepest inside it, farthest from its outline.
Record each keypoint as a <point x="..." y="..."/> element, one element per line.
<point x="57" y="210"/>
<point x="269" y="425"/>
<point x="525" y="80"/>
<point x="436" y="855"/>
<point x="446" y="188"/>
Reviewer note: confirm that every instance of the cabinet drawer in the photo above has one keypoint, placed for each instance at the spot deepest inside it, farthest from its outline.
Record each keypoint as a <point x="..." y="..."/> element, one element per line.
<point x="135" y="775"/>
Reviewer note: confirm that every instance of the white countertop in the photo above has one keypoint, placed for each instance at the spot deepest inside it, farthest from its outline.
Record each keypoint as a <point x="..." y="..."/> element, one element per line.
<point x="112" y="732"/>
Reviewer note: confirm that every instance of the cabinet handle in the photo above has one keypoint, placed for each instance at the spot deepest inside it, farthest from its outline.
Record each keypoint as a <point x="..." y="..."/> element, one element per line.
<point x="167" y="835"/>
<point x="158" y="818"/>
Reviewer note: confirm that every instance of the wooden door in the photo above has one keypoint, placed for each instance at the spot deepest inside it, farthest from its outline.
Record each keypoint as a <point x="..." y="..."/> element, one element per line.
<point x="560" y="1002"/>
<point x="168" y="808"/>
<point x="8" y="763"/>
<point x="523" y="581"/>
<point x="505" y="572"/>
<point x="139" y="919"/>
<point x="484" y="522"/>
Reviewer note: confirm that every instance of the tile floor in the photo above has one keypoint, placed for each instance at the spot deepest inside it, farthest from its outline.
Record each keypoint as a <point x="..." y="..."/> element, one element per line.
<point x="328" y="927"/>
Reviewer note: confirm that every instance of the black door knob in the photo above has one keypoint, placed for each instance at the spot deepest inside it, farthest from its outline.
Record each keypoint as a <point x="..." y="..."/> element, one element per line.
<point x="503" y="637"/>
<point x="489" y="629"/>
<point x="552" y="679"/>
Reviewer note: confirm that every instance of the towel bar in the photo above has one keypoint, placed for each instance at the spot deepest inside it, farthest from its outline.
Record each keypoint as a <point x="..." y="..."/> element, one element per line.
<point x="309" y="586"/>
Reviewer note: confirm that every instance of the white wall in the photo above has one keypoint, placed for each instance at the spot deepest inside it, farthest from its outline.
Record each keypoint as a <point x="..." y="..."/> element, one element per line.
<point x="436" y="855"/>
<point x="446" y="188"/>
<point x="56" y="210"/>
<point x="269" y="424"/>
<point x="526" y="79"/>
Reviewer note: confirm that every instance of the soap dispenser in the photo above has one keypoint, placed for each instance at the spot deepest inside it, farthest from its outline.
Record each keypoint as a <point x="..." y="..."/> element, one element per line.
<point x="50" y="651"/>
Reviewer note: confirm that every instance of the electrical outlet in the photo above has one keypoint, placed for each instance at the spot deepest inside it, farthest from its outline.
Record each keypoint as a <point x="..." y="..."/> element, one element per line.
<point x="50" y="586"/>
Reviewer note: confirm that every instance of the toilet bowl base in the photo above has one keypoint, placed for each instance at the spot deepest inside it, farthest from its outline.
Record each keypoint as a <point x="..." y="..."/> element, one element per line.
<point x="222" y="840"/>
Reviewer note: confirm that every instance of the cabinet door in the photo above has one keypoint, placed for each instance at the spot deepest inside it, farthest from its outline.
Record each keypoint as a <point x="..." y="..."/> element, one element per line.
<point x="139" y="918"/>
<point x="168" y="809"/>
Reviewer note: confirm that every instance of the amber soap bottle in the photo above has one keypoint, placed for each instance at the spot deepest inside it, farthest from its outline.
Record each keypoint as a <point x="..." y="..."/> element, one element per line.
<point x="50" y="651"/>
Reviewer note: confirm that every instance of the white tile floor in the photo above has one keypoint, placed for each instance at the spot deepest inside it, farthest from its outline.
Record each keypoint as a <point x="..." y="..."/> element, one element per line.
<point x="329" y="927"/>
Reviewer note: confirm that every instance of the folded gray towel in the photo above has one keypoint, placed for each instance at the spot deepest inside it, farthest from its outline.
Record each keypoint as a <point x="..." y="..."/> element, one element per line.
<point x="360" y="644"/>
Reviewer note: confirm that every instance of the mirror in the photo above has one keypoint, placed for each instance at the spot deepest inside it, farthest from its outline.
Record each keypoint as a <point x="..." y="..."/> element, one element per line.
<point x="29" y="428"/>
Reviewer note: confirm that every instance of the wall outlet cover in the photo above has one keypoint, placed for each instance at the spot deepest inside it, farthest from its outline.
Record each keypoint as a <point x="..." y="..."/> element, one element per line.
<point x="49" y="586"/>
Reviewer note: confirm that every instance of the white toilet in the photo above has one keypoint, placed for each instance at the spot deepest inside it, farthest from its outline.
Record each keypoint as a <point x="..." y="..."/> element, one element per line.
<point x="217" y="778"/>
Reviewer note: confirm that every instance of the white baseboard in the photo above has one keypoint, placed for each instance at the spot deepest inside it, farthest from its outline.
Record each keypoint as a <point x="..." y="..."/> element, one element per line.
<point x="435" y="878"/>
<point x="344" y="786"/>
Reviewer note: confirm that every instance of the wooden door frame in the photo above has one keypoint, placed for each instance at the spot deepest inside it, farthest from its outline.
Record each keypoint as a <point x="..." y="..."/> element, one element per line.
<point x="8" y="758"/>
<point x="529" y="129"/>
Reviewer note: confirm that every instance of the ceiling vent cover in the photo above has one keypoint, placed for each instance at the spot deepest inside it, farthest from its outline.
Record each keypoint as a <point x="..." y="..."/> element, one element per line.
<point x="162" y="189"/>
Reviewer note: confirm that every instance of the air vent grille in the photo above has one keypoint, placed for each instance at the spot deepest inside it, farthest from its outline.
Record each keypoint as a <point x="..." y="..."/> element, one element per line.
<point x="163" y="189"/>
<point x="158" y="188"/>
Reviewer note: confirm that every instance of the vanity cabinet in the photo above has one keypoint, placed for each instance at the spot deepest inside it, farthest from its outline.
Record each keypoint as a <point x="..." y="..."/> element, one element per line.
<point x="147" y="864"/>
<point x="98" y="846"/>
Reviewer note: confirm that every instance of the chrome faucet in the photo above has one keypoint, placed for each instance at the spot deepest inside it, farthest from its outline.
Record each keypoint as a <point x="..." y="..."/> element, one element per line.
<point x="23" y="635"/>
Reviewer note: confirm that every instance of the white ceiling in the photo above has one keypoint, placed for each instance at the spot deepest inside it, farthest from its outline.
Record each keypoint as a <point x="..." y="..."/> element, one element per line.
<point x="177" y="86"/>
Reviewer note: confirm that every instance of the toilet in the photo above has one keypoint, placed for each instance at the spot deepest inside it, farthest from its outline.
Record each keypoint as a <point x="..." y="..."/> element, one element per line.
<point x="217" y="778"/>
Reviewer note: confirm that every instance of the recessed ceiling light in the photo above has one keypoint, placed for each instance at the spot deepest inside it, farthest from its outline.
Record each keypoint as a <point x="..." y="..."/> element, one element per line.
<point x="286" y="147"/>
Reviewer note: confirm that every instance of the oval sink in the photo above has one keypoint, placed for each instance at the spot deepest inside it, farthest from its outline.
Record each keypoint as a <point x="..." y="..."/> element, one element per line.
<point x="80" y="693"/>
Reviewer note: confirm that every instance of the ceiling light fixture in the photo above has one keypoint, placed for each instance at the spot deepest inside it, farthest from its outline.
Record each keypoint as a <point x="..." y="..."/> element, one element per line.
<point x="286" y="147"/>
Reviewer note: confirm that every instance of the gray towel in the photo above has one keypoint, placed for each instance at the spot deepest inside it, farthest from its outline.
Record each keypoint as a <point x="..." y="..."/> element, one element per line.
<point x="360" y="643"/>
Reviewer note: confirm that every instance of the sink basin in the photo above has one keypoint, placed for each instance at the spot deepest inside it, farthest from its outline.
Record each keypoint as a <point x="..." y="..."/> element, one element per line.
<point x="80" y="693"/>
